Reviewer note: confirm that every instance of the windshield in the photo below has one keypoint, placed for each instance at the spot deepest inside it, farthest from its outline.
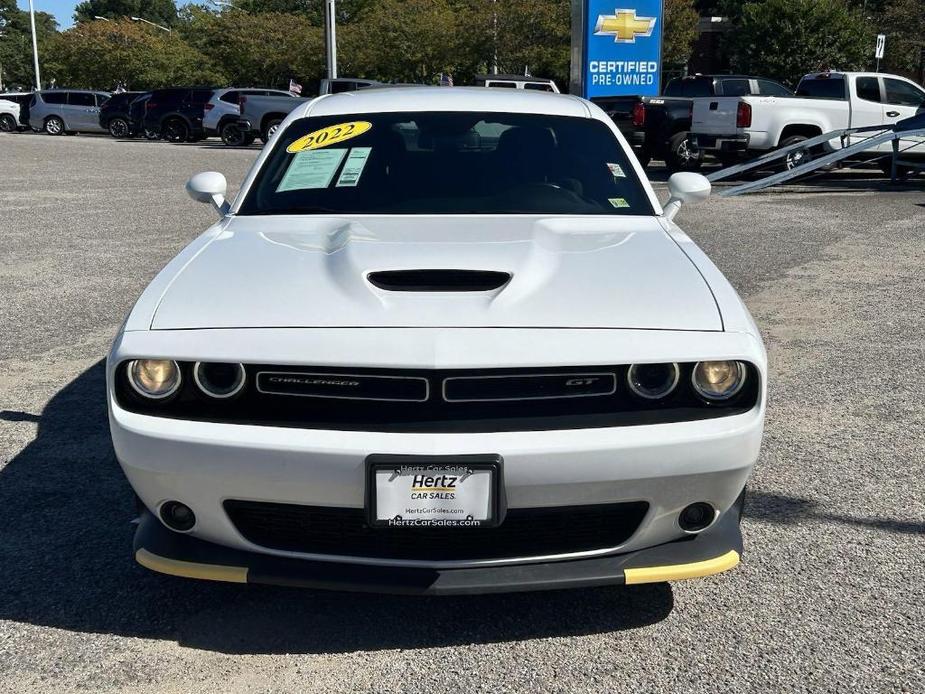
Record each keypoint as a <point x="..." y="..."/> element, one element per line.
<point x="447" y="163"/>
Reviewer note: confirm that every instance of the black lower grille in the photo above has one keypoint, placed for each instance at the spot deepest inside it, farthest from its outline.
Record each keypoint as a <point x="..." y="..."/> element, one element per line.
<point x="525" y="532"/>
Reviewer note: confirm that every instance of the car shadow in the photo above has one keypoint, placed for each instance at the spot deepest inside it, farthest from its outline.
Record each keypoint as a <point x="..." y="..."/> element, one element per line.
<point x="65" y="562"/>
<point x="791" y="510"/>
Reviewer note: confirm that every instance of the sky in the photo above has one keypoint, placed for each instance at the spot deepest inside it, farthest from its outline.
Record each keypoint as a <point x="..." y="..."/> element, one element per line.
<point x="63" y="10"/>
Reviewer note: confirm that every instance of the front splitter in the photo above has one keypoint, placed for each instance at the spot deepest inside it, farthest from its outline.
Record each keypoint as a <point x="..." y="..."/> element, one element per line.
<point x="712" y="551"/>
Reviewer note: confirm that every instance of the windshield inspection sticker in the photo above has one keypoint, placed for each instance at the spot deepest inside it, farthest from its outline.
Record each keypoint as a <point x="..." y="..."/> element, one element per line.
<point x="616" y="170"/>
<point x="311" y="170"/>
<point x="618" y="202"/>
<point x="331" y="135"/>
<point x="353" y="169"/>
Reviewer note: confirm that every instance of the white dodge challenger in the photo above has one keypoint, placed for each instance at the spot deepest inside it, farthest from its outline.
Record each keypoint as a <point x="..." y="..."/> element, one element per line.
<point x="444" y="340"/>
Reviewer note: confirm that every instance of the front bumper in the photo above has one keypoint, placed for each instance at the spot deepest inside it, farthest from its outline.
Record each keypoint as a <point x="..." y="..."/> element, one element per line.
<point x="667" y="466"/>
<point x="717" y="143"/>
<point x="717" y="549"/>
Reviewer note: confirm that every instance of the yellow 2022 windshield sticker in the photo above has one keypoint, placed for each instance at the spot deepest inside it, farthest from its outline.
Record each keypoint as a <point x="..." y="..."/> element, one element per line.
<point x="331" y="135"/>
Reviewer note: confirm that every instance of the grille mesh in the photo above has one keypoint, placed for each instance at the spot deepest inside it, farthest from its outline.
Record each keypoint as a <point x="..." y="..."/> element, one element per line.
<point x="524" y="532"/>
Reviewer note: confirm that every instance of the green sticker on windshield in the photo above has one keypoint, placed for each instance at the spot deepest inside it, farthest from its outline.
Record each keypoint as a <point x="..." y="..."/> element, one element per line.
<point x="618" y="202"/>
<point x="311" y="169"/>
<point x="616" y="170"/>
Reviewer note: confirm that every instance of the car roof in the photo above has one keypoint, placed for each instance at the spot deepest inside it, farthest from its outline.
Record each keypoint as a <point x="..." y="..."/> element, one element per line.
<point x="843" y="73"/>
<point x="519" y="78"/>
<point x="72" y="91"/>
<point x="393" y="100"/>
<point x="225" y="90"/>
<point x="180" y="89"/>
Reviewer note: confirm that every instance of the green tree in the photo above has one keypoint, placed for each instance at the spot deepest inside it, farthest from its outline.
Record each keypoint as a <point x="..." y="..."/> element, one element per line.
<point x="785" y="39"/>
<point x="679" y="31"/>
<point x="265" y="49"/>
<point x="162" y="12"/>
<point x="99" y="55"/>
<point x="535" y="34"/>
<point x="401" y="41"/>
<point x="16" y="42"/>
<point x="903" y="22"/>
<point x="514" y="34"/>
<point x="312" y="10"/>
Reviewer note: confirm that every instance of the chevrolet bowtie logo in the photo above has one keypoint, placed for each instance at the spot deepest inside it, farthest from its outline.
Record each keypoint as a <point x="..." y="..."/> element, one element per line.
<point x="624" y="26"/>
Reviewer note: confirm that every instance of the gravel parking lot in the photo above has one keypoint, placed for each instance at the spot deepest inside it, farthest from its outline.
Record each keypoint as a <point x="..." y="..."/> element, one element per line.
<point x="829" y="597"/>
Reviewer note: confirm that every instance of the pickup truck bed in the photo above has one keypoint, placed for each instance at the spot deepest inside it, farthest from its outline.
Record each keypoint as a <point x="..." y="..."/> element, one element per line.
<point x="657" y="127"/>
<point x="261" y="115"/>
<point x="748" y="126"/>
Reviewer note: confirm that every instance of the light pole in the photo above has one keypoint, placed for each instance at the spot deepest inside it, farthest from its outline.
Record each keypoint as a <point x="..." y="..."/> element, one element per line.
<point x="142" y="19"/>
<point x="104" y="19"/>
<point x="35" y="49"/>
<point x="330" y="37"/>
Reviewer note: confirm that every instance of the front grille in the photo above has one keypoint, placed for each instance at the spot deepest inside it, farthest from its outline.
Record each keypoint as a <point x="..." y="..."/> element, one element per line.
<point x="528" y="387"/>
<point x="343" y="386"/>
<point x="437" y="400"/>
<point x="525" y="532"/>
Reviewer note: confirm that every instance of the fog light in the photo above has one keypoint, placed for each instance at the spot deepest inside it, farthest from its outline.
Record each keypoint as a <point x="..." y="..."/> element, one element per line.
<point x="219" y="380"/>
<point x="154" y="378"/>
<point x="697" y="517"/>
<point x="177" y="516"/>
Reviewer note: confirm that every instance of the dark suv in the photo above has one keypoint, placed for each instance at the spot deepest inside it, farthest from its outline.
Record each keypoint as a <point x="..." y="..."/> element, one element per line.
<point x="176" y="113"/>
<point x="114" y="114"/>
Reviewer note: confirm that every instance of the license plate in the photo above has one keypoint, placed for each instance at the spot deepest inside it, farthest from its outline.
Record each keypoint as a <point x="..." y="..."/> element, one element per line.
<point x="460" y="492"/>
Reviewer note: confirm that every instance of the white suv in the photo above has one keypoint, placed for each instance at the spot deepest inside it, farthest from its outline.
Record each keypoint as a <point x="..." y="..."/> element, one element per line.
<point x="9" y="116"/>
<point x="223" y="111"/>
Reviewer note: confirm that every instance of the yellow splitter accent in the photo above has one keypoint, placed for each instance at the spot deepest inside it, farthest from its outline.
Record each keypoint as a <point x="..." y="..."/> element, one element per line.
<point x="190" y="569"/>
<point x="697" y="569"/>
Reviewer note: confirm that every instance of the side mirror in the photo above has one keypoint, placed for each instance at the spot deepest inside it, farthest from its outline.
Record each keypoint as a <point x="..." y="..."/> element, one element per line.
<point x="685" y="187"/>
<point x="210" y="187"/>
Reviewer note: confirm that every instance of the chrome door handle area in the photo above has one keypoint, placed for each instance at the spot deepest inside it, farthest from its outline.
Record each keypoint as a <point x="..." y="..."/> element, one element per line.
<point x="892" y="114"/>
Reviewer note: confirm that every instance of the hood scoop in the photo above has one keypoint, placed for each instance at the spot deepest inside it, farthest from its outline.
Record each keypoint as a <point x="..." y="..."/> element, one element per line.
<point x="439" y="280"/>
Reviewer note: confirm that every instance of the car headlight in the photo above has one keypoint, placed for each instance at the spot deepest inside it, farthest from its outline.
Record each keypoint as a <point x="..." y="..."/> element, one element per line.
<point x="718" y="380"/>
<point x="154" y="378"/>
<point x="653" y="381"/>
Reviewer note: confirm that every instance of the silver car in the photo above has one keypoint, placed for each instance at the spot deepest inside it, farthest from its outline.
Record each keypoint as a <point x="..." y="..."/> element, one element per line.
<point x="60" y="111"/>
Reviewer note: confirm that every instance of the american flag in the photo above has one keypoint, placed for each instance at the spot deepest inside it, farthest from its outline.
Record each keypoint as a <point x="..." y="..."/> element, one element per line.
<point x="295" y="87"/>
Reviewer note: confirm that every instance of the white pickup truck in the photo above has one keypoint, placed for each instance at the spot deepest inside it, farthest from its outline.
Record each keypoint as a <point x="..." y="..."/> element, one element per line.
<point x="733" y="128"/>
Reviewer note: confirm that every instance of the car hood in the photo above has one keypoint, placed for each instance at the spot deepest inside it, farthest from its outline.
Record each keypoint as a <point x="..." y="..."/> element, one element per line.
<point x="564" y="272"/>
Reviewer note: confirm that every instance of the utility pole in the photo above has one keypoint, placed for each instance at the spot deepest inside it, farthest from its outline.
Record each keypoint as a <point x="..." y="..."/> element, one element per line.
<point x="35" y="48"/>
<point x="330" y="37"/>
<point x="494" y="36"/>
